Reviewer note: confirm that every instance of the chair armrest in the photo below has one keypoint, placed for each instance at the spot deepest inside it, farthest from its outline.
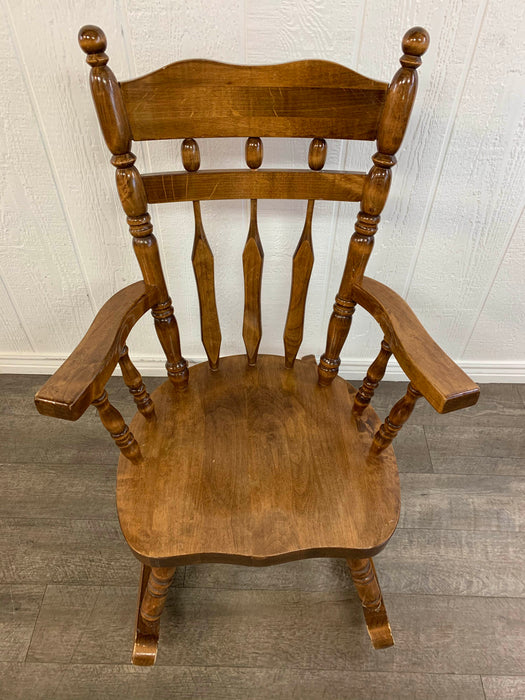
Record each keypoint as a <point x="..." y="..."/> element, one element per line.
<point x="445" y="386"/>
<point x="83" y="376"/>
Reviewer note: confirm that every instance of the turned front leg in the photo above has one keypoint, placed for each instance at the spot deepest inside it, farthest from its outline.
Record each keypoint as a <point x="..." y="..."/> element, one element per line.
<point x="155" y="595"/>
<point x="367" y="586"/>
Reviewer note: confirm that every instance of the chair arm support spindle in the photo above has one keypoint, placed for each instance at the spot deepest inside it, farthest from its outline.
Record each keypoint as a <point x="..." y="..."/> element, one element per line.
<point x="136" y="386"/>
<point x="115" y="424"/>
<point x="375" y="374"/>
<point x="396" y="419"/>
<point x="83" y="376"/>
<point x="444" y="385"/>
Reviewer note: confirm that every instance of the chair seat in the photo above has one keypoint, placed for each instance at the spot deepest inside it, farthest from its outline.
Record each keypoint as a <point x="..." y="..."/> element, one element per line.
<point x="256" y="465"/>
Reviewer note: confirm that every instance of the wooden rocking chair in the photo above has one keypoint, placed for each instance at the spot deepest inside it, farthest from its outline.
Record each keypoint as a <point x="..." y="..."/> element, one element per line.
<point x="254" y="459"/>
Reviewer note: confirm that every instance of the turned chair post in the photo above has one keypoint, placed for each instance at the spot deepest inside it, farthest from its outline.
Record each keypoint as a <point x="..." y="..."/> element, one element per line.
<point x="375" y="374"/>
<point x="367" y="586"/>
<point x="109" y="104"/>
<point x="136" y="386"/>
<point x="396" y="419"/>
<point x="155" y="595"/>
<point x="392" y="125"/>
<point x="115" y="424"/>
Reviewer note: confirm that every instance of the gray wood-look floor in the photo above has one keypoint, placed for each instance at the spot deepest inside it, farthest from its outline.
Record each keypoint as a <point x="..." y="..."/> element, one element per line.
<point x="453" y="576"/>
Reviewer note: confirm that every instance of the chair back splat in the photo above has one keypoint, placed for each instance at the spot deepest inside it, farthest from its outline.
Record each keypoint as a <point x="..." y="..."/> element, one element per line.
<point x="201" y="99"/>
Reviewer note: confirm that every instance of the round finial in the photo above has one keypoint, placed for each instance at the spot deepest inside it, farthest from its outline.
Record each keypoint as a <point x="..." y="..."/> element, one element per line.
<point x="317" y="154"/>
<point x="254" y="152"/>
<point x="92" y="39"/>
<point x="416" y="41"/>
<point x="191" y="157"/>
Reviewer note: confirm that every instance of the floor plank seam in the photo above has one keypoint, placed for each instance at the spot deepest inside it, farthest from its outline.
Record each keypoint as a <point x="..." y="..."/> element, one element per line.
<point x="36" y="621"/>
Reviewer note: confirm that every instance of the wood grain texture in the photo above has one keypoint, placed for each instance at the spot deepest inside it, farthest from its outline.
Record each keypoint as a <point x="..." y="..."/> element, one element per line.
<point x="303" y="262"/>
<point x="26" y="682"/>
<point x="375" y="374"/>
<point x="463" y="502"/>
<point x="19" y="606"/>
<point x="136" y="386"/>
<point x="280" y="425"/>
<point x="280" y="630"/>
<point x="392" y="125"/>
<point x="503" y="687"/>
<point x="83" y="376"/>
<point x="252" y="265"/>
<point x="258" y="184"/>
<point x="445" y="386"/>
<point x="203" y="266"/>
<point x="365" y="580"/>
<point x="396" y="419"/>
<point x="74" y="148"/>
<point x="304" y="98"/>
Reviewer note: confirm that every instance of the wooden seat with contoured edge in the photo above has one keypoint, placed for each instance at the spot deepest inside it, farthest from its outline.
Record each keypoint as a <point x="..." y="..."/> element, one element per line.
<point x="254" y="459"/>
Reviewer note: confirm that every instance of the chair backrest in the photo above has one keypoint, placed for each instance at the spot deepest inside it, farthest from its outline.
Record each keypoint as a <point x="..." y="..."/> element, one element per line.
<point x="200" y="99"/>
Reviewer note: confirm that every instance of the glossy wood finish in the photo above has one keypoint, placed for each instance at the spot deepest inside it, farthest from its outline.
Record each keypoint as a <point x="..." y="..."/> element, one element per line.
<point x="253" y="184"/>
<point x="303" y="262"/>
<point x="252" y="264"/>
<point x="201" y="98"/>
<point x="136" y="386"/>
<point x="365" y="580"/>
<point x="83" y="376"/>
<point x="203" y="267"/>
<point x="113" y="119"/>
<point x="153" y="590"/>
<point x="116" y="426"/>
<point x="394" y="119"/>
<point x="396" y="419"/>
<point x="255" y="463"/>
<point x="267" y="466"/>
<point x="444" y="385"/>
<point x="375" y="374"/>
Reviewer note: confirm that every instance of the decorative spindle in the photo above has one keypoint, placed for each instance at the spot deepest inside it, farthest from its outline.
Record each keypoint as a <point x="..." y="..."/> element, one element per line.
<point x="155" y="595"/>
<point x="375" y="374"/>
<point x="252" y="263"/>
<point x="317" y="154"/>
<point x="203" y="267"/>
<point x="394" y="119"/>
<point x="136" y="386"/>
<point x="254" y="152"/>
<point x="396" y="419"/>
<point x="116" y="426"/>
<point x="191" y="157"/>
<point x="113" y="120"/>
<point x="303" y="261"/>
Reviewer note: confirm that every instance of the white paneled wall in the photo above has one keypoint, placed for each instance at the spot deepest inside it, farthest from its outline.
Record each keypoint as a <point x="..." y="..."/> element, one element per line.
<point x="452" y="237"/>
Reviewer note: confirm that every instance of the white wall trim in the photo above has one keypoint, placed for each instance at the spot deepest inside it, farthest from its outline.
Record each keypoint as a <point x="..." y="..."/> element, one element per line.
<point x="507" y="372"/>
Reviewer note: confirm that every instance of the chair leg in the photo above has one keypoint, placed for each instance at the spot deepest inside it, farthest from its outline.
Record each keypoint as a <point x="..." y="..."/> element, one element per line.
<point x="153" y="591"/>
<point x="367" y="586"/>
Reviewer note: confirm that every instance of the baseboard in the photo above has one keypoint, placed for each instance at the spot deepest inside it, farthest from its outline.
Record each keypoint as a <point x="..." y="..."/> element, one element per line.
<point x="510" y="372"/>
